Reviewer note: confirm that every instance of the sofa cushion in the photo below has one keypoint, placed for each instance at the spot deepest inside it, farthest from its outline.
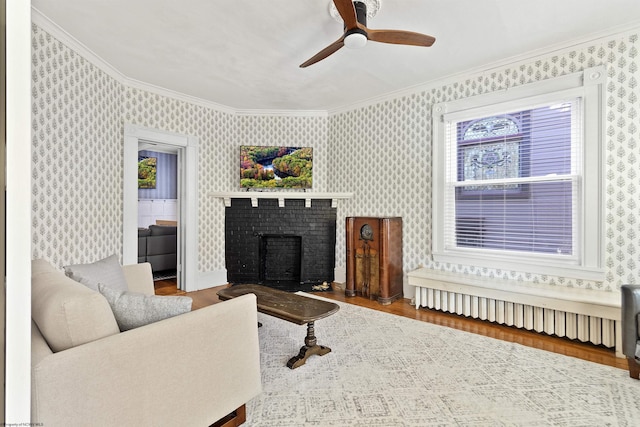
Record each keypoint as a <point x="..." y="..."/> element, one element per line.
<point x="107" y="271"/>
<point x="67" y="313"/>
<point x="163" y="230"/>
<point x="39" y="266"/>
<point x="161" y="245"/>
<point x="132" y="309"/>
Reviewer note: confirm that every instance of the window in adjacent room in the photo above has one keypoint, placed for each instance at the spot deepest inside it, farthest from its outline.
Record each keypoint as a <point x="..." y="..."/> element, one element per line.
<point x="518" y="177"/>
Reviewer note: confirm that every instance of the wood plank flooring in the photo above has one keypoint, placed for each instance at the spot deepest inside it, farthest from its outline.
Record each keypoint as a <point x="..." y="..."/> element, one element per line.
<point x="403" y="308"/>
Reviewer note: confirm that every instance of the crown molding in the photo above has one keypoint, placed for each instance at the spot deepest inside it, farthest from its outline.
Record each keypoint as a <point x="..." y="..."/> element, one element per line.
<point x="158" y="90"/>
<point x="513" y="61"/>
<point x="283" y="113"/>
<point x="42" y="21"/>
<point x="46" y="24"/>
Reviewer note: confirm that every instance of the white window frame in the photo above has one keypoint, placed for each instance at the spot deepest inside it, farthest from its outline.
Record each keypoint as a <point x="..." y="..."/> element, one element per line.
<point x="588" y="263"/>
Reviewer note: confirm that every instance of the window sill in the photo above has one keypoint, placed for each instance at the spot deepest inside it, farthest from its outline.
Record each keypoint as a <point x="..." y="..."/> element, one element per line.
<point x="520" y="264"/>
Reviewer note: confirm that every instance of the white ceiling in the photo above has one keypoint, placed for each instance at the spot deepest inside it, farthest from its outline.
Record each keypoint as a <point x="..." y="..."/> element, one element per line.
<point x="245" y="54"/>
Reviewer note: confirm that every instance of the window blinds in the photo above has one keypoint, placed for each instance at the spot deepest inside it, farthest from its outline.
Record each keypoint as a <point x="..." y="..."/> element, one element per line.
<point x="512" y="180"/>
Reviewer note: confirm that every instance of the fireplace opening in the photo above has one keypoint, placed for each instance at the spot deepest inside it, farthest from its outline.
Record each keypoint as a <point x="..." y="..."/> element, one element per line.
<point x="281" y="261"/>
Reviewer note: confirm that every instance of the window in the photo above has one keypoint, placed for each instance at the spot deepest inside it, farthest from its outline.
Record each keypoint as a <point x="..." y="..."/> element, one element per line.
<point x="518" y="178"/>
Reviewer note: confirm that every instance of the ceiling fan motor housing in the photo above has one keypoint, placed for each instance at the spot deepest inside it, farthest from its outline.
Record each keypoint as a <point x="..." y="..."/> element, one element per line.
<point x="361" y="12"/>
<point x="354" y="37"/>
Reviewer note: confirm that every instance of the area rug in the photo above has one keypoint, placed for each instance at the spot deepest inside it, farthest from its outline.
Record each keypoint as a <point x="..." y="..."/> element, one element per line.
<point x="386" y="370"/>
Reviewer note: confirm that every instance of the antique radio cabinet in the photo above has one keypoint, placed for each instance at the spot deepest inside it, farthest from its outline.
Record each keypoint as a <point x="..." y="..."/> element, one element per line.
<point x="374" y="258"/>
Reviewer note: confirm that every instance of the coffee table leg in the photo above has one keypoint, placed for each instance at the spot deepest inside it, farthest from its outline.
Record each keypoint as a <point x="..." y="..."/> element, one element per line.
<point x="309" y="349"/>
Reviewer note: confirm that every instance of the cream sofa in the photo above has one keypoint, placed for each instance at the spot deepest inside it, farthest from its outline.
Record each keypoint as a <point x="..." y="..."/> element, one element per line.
<point x="192" y="369"/>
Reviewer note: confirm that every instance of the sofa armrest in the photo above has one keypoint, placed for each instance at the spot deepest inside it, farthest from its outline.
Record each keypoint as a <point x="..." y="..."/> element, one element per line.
<point x="630" y="309"/>
<point x="139" y="278"/>
<point x="191" y="369"/>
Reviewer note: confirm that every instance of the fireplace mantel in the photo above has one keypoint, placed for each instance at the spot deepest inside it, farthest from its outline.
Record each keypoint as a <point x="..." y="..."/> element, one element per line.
<point x="281" y="196"/>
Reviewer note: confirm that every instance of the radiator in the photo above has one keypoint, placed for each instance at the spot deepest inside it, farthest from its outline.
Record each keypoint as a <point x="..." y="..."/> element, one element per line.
<point x="581" y="327"/>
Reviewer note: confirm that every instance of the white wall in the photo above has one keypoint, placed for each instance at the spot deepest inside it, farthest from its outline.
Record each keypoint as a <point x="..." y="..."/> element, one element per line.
<point x="18" y="218"/>
<point x="151" y="210"/>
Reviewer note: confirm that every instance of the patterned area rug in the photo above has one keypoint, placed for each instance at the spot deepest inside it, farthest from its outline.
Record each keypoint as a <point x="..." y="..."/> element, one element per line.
<point x="386" y="370"/>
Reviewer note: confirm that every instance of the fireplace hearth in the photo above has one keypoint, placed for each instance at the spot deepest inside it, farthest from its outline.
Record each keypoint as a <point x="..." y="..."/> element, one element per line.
<point x="290" y="247"/>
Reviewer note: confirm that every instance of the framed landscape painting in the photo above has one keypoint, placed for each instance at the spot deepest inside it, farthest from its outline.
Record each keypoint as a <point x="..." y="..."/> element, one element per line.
<point x="147" y="172"/>
<point x="276" y="167"/>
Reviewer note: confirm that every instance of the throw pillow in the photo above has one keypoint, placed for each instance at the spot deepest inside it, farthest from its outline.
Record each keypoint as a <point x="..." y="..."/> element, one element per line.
<point x="107" y="271"/>
<point x="66" y="312"/>
<point x="132" y="309"/>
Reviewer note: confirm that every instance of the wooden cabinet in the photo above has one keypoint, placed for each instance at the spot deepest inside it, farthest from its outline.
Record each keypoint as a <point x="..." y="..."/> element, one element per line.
<point x="374" y="258"/>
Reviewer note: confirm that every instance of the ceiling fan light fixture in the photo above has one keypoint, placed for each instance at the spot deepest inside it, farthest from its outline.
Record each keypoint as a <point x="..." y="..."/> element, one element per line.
<point x="355" y="40"/>
<point x="356" y="34"/>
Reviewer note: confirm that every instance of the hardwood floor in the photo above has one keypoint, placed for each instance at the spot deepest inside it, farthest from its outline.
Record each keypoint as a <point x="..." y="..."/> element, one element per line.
<point x="167" y="287"/>
<point x="403" y="308"/>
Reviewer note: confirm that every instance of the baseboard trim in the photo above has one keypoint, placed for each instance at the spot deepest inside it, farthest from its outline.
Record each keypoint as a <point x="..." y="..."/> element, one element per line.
<point x="210" y="279"/>
<point x="340" y="274"/>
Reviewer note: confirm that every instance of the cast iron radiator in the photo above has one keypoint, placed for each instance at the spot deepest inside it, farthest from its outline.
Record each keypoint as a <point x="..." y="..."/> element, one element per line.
<point x="553" y="322"/>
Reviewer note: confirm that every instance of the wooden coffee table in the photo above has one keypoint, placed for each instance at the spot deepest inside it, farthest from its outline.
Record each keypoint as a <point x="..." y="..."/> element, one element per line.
<point x="292" y="308"/>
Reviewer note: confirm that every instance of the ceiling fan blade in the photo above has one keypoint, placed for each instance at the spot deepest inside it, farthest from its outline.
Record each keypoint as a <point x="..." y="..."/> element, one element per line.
<point x="332" y="48"/>
<point x="347" y="11"/>
<point x="400" y="37"/>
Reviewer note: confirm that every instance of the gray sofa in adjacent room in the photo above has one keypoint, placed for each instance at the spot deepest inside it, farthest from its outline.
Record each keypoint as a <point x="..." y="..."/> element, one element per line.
<point x="158" y="246"/>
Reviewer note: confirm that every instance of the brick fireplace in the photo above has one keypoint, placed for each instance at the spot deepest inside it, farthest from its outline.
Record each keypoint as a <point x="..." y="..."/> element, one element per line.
<point x="286" y="244"/>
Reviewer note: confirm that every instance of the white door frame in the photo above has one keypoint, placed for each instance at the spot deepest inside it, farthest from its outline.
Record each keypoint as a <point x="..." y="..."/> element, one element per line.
<point x="188" y="191"/>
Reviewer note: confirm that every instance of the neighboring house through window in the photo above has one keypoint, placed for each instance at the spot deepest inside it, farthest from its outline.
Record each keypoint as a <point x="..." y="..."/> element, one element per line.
<point x="518" y="178"/>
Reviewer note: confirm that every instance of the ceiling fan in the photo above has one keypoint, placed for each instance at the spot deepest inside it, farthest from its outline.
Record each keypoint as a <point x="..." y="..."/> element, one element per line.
<point x="356" y="33"/>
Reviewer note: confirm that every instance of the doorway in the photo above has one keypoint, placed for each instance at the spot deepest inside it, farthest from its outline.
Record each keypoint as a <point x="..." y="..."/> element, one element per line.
<point x="158" y="207"/>
<point x="186" y="149"/>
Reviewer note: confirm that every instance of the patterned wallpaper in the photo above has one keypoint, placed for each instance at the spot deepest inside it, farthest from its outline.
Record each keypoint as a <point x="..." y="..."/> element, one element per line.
<point x="77" y="156"/>
<point x="216" y="141"/>
<point x="381" y="152"/>
<point x="79" y="116"/>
